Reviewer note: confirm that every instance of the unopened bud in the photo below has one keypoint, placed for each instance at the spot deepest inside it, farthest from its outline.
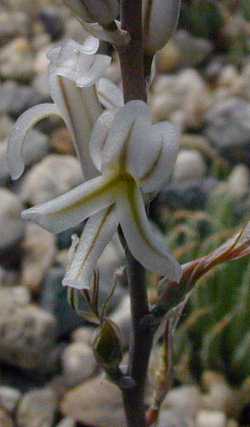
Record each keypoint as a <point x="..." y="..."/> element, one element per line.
<point x="102" y="11"/>
<point x="107" y="346"/>
<point x="160" y="18"/>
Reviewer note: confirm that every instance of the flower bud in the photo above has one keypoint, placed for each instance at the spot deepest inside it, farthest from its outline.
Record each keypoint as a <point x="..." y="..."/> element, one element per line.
<point x="102" y="11"/>
<point x="160" y="18"/>
<point x="107" y="346"/>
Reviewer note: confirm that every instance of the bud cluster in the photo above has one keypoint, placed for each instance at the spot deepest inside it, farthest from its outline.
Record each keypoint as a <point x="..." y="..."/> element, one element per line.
<point x="160" y="18"/>
<point x="101" y="11"/>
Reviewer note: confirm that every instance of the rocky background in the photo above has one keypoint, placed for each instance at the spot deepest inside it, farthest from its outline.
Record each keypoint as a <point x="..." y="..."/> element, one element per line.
<point x="48" y="374"/>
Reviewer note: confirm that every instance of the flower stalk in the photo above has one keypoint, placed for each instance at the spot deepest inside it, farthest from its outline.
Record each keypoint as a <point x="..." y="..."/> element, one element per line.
<point x="134" y="87"/>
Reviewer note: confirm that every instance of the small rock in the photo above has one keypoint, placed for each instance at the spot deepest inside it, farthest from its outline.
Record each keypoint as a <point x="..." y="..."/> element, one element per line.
<point x="42" y="183"/>
<point x="15" y="99"/>
<point x="184" y="51"/>
<point x="238" y="182"/>
<point x="13" y="24"/>
<point x="172" y="418"/>
<point x="228" y="125"/>
<point x="37" y="409"/>
<point x="210" y="419"/>
<point x="5" y="126"/>
<point x="189" y="166"/>
<point x="67" y="422"/>
<point x="16" y="61"/>
<point x="78" y="363"/>
<point x="27" y="333"/>
<point x="38" y="258"/>
<point x="52" y="21"/>
<point x="11" y="225"/>
<point x="186" y="400"/>
<point x="9" y="398"/>
<point x="83" y="335"/>
<point x="61" y="141"/>
<point x="228" y="77"/>
<point x="242" y="84"/>
<point x="184" y="93"/>
<point x="35" y="148"/>
<point x="96" y="402"/>
<point x="5" y="420"/>
<point x="190" y="195"/>
<point x="54" y="300"/>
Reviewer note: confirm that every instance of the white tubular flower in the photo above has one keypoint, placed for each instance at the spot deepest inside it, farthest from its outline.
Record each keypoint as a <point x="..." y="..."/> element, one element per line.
<point x="134" y="157"/>
<point x="102" y="11"/>
<point x="160" y="18"/>
<point x="73" y="71"/>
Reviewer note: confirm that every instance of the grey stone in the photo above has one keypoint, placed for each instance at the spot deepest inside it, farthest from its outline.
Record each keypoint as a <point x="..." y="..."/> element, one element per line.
<point x="191" y="195"/>
<point x="16" y="61"/>
<point x="78" y="363"/>
<point x="172" y="418"/>
<point x="37" y="409"/>
<point x="35" y="148"/>
<point x="5" y="419"/>
<point x="67" y="422"/>
<point x="13" y="24"/>
<point x="39" y="254"/>
<point x="42" y="183"/>
<point x="54" y="300"/>
<point x="27" y="333"/>
<point x="228" y="124"/>
<point x="9" y="398"/>
<point x="96" y="402"/>
<point x="11" y="225"/>
<point x="186" y="400"/>
<point x="15" y="99"/>
<point x="238" y="182"/>
<point x="53" y="21"/>
<point x="189" y="166"/>
<point x="207" y="418"/>
<point x="5" y="126"/>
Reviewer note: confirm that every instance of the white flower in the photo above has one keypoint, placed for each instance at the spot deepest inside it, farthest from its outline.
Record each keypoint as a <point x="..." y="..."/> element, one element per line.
<point x="160" y="18"/>
<point x="73" y="71"/>
<point x="134" y="157"/>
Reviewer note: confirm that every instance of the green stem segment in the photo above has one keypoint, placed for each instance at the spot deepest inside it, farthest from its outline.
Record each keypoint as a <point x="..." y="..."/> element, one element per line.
<point x="134" y="87"/>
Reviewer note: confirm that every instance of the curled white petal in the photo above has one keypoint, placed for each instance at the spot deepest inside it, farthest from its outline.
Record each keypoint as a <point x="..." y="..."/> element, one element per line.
<point x="78" y="63"/>
<point x="109" y="94"/>
<point x="73" y="207"/>
<point x="144" y="245"/>
<point x="168" y="136"/>
<point x="97" y="233"/>
<point x="18" y="134"/>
